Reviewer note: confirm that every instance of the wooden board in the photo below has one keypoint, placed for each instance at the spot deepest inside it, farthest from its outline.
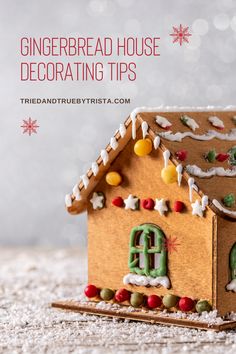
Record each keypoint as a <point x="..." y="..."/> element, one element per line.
<point x="154" y="317"/>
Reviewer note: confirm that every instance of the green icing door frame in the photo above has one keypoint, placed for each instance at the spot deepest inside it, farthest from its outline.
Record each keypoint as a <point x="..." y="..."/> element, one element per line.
<point x="146" y="250"/>
<point x="232" y="261"/>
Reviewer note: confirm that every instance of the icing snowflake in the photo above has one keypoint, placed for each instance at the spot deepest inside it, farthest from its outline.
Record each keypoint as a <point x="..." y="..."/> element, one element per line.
<point x="161" y="206"/>
<point x="197" y="208"/>
<point x="131" y="202"/>
<point x="97" y="200"/>
<point x="189" y="122"/>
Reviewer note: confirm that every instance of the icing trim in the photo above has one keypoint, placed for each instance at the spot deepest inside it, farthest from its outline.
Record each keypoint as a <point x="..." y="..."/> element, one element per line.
<point x="68" y="200"/>
<point x="223" y="209"/>
<point x="179" y="170"/>
<point x="85" y="180"/>
<point x="104" y="157"/>
<point x="166" y="156"/>
<point x="95" y="168"/>
<point x="194" y="170"/>
<point x="156" y="142"/>
<point x="142" y="280"/>
<point x="113" y="143"/>
<point x="211" y="134"/>
<point x="122" y="130"/>
<point x="76" y="192"/>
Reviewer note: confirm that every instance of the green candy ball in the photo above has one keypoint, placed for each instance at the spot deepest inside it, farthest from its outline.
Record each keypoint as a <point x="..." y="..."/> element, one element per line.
<point x="136" y="299"/>
<point x="107" y="294"/>
<point x="203" y="305"/>
<point x="170" y="300"/>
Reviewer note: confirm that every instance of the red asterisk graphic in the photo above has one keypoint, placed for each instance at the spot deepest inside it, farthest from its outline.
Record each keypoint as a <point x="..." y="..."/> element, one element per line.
<point x="180" y="34"/>
<point x="30" y="126"/>
<point x="170" y="244"/>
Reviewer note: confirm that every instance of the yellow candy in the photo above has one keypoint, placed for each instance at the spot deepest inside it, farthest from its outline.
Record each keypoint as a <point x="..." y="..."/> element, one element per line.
<point x="143" y="147"/>
<point x="113" y="178"/>
<point x="169" y="174"/>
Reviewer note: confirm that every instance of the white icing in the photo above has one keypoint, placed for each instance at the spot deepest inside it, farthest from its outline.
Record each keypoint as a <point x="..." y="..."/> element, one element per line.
<point x="179" y="169"/>
<point x="223" y="209"/>
<point x="68" y="200"/>
<point x="163" y="122"/>
<point x="113" y="143"/>
<point x="85" y="180"/>
<point x="161" y="206"/>
<point x="197" y="208"/>
<point x="166" y="156"/>
<point x="144" y="128"/>
<point x="122" y="130"/>
<point x="216" y="122"/>
<point x="191" y="184"/>
<point x="95" y="168"/>
<point x="104" y="156"/>
<point x="156" y="142"/>
<point x="76" y="192"/>
<point x="131" y="202"/>
<point x="97" y="201"/>
<point x="214" y="171"/>
<point x="204" y="202"/>
<point x="210" y="134"/>
<point x="143" y="280"/>
<point x="190" y="122"/>
<point x="231" y="286"/>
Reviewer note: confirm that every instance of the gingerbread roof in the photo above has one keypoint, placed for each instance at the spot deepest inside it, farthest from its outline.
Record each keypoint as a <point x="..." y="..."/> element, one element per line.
<point x="208" y="135"/>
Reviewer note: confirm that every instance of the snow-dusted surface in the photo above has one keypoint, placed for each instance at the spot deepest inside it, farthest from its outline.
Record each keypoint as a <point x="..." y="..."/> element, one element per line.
<point x="31" y="279"/>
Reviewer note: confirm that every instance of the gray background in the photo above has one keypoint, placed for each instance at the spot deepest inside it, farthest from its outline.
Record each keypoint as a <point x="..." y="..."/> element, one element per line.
<point x="36" y="172"/>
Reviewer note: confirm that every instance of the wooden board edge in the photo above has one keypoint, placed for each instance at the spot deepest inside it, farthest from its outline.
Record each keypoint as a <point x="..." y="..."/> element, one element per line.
<point x="142" y="316"/>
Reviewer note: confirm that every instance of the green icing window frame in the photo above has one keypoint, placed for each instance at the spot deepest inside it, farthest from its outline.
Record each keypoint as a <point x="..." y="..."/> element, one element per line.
<point x="232" y="261"/>
<point x="134" y="249"/>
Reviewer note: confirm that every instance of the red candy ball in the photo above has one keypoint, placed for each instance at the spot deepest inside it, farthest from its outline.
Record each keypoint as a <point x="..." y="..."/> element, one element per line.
<point x="178" y="206"/>
<point x="181" y="155"/>
<point x="118" y="201"/>
<point x="186" y="304"/>
<point x="154" y="301"/>
<point x="91" y="290"/>
<point x="122" y="295"/>
<point x="148" y="203"/>
<point x="222" y="157"/>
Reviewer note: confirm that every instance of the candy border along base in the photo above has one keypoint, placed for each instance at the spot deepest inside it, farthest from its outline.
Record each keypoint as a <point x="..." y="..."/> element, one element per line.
<point x="140" y="316"/>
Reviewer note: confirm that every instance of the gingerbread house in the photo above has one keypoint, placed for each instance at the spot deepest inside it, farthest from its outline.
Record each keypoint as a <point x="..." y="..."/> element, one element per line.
<point x="160" y="201"/>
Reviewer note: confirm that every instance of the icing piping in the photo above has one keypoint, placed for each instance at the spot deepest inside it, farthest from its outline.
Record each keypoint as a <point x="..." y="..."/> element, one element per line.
<point x="214" y="171"/>
<point x="211" y="134"/>
<point x="144" y="128"/>
<point x="122" y="130"/>
<point x="179" y="169"/>
<point x="189" y="122"/>
<point x="76" y="192"/>
<point x="142" y="280"/>
<point x="216" y="122"/>
<point x="85" y="180"/>
<point x="95" y="168"/>
<point x="204" y="202"/>
<point x="156" y="142"/>
<point x="113" y="143"/>
<point x="68" y="200"/>
<point x="163" y="122"/>
<point x="104" y="156"/>
<point x="222" y="209"/>
<point x="166" y="156"/>
<point x="191" y="184"/>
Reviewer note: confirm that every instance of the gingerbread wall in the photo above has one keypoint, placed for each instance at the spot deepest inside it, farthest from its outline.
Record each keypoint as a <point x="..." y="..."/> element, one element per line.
<point x="225" y="239"/>
<point x="190" y="268"/>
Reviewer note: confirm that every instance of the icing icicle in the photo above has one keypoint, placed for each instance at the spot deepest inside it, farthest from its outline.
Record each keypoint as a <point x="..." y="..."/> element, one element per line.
<point x="204" y="202"/>
<point x="179" y="169"/>
<point x="166" y="156"/>
<point x="122" y="130"/>
<point x="95" y="168"/>
<point x="85" y="181"/>
<point x="156" y="142"/>
<point x="76" y="192"/>
<point x="191" y="186"/>
<point x="144" y="128"/>
<point x="216" y="122"/>
<point x="210" y="134"/>
<point x="104" y="156"/>
<point x="113" y="143"/>
<point x="68" y="200"/>
<point x="214" y="171"/>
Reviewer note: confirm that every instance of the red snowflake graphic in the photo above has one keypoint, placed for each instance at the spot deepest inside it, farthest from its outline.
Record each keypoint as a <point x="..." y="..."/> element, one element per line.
<point x="170" y="244"/>
<point x="180" y="34"/>
<point x="30" y="126"/>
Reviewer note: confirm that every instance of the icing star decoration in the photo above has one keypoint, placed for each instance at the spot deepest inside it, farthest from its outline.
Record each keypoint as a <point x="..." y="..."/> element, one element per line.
<point x="97" y="200"/>
<point x="161" y="206"/>
<point x="197" y="208"/>
<point x="131" y="202"/>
